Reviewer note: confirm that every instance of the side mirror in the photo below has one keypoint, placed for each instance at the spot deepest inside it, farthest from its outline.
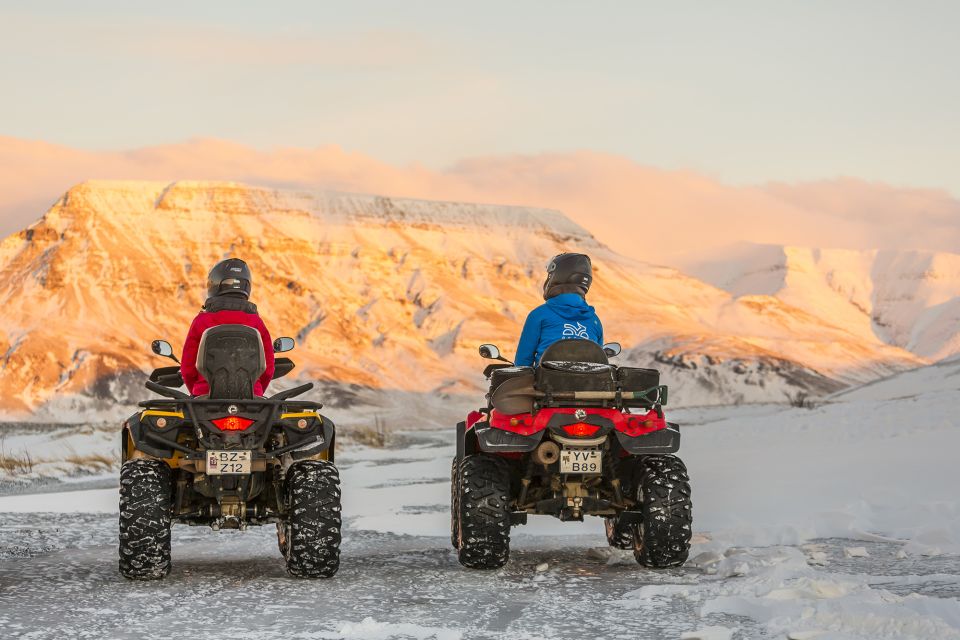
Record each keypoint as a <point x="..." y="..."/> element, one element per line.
<point x="282" y="345"/>
<point x="163" y="348"/>
<point x="489" y="351"/>
<point x="612" y="349"/>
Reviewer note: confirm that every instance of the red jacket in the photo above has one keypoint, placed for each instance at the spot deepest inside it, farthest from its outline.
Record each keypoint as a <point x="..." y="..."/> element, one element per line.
<point x="188" y="362"/>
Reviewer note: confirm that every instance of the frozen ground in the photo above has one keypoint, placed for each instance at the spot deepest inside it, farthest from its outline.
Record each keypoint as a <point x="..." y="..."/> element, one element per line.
<point x="834" y="522"/>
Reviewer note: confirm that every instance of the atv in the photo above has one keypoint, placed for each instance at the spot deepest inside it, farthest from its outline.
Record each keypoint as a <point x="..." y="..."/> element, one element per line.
<point x="572" y="437"/>
<point x="229" y="460"/>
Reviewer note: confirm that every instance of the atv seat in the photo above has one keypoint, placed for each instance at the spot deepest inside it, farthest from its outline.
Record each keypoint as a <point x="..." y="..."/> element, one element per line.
<point x="231" y="359"/>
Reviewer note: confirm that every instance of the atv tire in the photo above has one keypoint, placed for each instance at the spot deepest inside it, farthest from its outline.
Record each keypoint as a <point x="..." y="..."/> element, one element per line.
<point x="282" y="539"/>
<point x="145" y="508"/>
<point x="619" y="536"/>
<point x="663" y="490"/>
<point x="454" y="503"/>
<point x="483" y="508"/>
<point x="312" y="528"/>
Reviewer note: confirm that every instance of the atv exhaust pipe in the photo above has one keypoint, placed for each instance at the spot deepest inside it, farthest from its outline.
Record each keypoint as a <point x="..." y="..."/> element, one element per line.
<point x="546" y="453"/>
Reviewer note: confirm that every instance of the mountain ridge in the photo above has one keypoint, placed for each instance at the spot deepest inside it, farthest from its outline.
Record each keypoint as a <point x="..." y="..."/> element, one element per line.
<point x="909" y="298"/>
<point x="384" y="293"/>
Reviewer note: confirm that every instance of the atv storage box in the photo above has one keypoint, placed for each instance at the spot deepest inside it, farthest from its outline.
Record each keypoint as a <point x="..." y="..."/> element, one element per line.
<point x="556" y="376"/>
<point x="499" y="376"/>
<point x="637" y="379"/>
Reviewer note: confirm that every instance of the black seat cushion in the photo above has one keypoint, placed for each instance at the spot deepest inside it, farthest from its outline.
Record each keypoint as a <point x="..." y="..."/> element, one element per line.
<point x="575" y="351"/>
<point x="231" y="359"/>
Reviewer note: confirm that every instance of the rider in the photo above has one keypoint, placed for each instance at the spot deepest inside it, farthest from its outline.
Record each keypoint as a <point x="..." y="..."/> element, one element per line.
<point x="228" y="290"/>
<point x="566" y="313"/>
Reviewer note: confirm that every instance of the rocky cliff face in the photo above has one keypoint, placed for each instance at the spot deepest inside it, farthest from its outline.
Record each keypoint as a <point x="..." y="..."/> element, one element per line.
<point x="380" y="293"/>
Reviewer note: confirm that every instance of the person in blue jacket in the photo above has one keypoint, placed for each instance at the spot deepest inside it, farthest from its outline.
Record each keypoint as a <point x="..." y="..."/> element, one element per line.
<point x="566" y="313"/>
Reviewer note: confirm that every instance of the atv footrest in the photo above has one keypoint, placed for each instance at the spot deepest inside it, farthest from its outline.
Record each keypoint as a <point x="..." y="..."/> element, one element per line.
<point x="518" y="518"/>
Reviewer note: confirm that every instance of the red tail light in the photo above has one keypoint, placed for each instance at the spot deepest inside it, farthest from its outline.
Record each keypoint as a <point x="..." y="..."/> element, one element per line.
<point x="581" y="429"/>
<point x="232" y="423"/>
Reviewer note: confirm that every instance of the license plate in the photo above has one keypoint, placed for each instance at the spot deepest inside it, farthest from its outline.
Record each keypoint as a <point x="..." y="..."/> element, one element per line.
<point x="222" y="463"/>
<point x="580" y="461"/>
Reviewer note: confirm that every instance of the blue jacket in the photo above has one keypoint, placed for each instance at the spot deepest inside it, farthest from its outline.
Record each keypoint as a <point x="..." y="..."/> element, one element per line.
<point x="563" y="317"/>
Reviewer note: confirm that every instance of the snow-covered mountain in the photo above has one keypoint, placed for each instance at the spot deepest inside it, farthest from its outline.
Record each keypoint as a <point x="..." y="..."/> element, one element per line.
<point x="382" y="294"/>
<point x="908" y="299"/>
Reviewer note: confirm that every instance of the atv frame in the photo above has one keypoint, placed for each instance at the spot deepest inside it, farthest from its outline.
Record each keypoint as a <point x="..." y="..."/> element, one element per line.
<point x="507" y="466"/>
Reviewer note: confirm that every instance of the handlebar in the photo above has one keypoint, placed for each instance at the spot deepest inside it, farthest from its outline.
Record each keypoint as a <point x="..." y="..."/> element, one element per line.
<point x="289" y="393"/>
<point x="166" y="391"/>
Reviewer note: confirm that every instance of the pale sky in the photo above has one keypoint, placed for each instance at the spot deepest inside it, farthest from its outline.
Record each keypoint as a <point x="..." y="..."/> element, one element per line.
<point x="745" y="92"/>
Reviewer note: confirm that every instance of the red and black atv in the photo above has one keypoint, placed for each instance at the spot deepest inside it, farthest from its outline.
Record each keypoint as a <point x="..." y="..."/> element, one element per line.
<point x="573" y="436"/>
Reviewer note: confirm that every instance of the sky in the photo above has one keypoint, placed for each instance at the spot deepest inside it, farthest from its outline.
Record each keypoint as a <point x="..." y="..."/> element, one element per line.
<point x="741" y="92"/>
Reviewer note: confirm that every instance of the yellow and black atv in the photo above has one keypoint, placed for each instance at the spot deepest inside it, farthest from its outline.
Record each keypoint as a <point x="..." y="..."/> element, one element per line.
<point x="229" y="459"/>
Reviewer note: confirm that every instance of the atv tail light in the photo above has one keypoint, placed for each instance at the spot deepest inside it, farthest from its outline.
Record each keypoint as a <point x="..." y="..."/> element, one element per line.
<point x="581" y="429"/>
<point x="639" y="425"/>
<point x="522" y="424"/>
<point x="232" y="423"/>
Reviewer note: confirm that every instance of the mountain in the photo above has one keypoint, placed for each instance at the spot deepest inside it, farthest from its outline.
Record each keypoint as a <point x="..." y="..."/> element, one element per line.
<point x="907" y="299"/>
<point x="385" y="296"/>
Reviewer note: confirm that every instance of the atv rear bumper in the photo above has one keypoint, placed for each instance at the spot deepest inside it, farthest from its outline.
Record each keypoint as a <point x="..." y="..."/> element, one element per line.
<point x="482" y="437"/>
<point x="162" y="443"/>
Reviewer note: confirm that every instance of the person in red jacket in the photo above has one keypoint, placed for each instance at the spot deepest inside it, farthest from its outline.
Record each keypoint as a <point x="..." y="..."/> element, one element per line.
<point x="228" y="291"/>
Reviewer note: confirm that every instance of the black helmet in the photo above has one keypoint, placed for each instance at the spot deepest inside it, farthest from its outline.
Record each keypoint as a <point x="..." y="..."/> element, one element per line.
<point x="230" y="276"/>
<point x="568" y="273"/>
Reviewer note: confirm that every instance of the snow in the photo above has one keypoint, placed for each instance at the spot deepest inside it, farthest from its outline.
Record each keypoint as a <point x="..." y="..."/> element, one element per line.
<point x="89" y="501"/>
<point x="370" y="629"/>
<point x="838" y="521"/>
<point x="907" y="298"/>
<point x="941" y="377"/>
<point x="708" y="633"/>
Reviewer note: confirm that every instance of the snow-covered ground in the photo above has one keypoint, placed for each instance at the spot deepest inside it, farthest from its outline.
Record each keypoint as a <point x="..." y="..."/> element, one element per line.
<point x="840" y="521"/>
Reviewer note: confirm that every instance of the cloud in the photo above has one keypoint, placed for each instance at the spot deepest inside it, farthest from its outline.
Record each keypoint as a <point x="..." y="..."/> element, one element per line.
<point x="213" y="44"/>
<point x="648" y="213"/>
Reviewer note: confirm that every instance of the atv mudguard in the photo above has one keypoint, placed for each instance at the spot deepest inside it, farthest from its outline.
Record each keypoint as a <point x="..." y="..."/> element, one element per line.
<point x="484" y="438"/>
<point x="660" y="441"/>
<point x="475" y="435"/>
<point x="153" y="446"/>
<point x="325" y="443"/>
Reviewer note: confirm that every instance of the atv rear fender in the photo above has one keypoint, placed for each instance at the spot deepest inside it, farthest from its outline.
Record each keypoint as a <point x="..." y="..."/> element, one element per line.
<point x="481" y="437"/>
<point x="656" y="442"/>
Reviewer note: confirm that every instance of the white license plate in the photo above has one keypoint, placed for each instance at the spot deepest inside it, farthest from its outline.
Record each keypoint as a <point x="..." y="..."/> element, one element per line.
<point x="222" y="463"/>
<point x="580" y="461"/>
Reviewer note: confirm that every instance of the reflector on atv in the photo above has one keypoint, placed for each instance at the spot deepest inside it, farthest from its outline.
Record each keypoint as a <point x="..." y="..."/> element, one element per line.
<point x="232" y="423"/>
<point x="581" y="429"/>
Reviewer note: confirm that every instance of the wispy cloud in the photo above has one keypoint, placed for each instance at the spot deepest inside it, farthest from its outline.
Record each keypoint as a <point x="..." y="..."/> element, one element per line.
<point x="171" y="42"/>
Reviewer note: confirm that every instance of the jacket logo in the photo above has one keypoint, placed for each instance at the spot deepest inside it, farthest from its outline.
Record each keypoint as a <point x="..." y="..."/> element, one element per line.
<point x="575" y="331"/>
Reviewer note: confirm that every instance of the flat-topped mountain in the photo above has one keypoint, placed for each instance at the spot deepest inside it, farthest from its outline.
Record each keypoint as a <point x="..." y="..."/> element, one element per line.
<point x="381" y="293"/>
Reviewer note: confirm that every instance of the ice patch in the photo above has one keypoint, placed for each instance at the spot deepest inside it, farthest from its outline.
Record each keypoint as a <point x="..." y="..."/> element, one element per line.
<point x="777" y="588"/>
<point x="370" y="629"/>
<point x="708" y="633"/>
<point x="90" y="501"/>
